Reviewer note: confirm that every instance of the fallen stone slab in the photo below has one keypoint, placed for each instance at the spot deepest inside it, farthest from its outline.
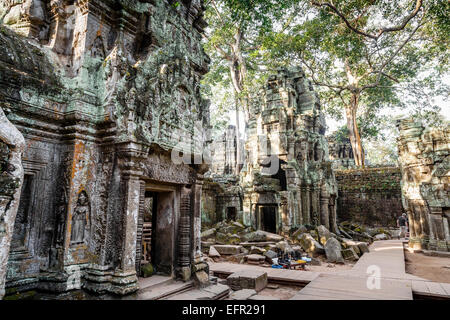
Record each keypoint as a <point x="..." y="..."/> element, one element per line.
<point x="213" y="252"/>
<point x="210" y="233"/>
<point x="349" y="254"/>
<point x="255" y="259"/>
<point x="257" y="250"/>
<point x="310" y="245"/>
<point x="261" y="244"/>
<point x="284" y="247"/>
<point x="363" y="247"/>
<point x="270" y="254"/>
<point x="228" y="249"/>
<point x="324" y="234"/>
<point x="243" y="294"/>
<point x="247" y="279"/>
<point x="260" y="235"/>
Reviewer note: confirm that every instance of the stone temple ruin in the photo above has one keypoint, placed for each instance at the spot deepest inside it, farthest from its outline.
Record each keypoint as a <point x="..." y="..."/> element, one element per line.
<point x="287" y="179"/>
<point x="104" y="176"/>
<point x="424" y="156"/>
<point x="102" y="91"/>
<point x="341" y="153"/>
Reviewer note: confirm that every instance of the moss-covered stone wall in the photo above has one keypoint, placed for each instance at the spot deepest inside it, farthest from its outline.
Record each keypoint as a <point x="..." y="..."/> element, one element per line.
<point x="370" y="196"/>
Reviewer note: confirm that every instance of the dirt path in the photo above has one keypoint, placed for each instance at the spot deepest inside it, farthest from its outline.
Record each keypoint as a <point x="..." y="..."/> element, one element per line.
<point x="427" y="267"/>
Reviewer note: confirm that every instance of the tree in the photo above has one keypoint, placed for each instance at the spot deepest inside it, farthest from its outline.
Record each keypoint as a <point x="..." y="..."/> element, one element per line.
<point x="362" y="54"/>
<point x="233" y="40"/>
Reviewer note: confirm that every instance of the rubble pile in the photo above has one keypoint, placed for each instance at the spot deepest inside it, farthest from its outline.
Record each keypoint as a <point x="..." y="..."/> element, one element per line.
<point x="308" y="245"/>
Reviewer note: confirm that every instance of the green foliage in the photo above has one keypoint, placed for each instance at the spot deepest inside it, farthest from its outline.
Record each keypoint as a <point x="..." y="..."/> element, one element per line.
<point x="399" y="70"/>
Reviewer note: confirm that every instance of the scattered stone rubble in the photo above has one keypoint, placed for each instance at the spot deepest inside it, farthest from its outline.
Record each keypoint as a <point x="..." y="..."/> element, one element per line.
<point x="232" y="241"/>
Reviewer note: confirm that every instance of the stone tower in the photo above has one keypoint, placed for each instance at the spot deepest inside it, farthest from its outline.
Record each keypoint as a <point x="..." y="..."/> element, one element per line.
<point x="287" y="178"/>
<point x="424" y="157"/>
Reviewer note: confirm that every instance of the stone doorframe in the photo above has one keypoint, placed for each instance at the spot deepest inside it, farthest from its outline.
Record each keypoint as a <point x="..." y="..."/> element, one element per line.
<point x="174" y="191"/>
<point x="258" y="215"/>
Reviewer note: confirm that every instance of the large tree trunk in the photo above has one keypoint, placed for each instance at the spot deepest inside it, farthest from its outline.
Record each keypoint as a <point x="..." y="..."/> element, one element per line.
<point x="353" y="132"/>
<point x="238" y="140"/>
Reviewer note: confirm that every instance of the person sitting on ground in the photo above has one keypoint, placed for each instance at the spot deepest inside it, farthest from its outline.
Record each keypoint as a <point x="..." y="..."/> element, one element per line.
<point x="402" y="223"/>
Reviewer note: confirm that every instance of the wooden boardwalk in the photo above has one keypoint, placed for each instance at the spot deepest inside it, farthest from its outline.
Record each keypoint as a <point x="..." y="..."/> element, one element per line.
<point x="297" y="277"/>
<point x="383" y="268"/>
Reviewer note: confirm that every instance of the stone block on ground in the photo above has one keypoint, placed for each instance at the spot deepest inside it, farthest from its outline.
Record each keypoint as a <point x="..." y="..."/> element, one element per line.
<point x="349" y="254"/>
<point x="210" y="233"/>
<point x="257" y="250"/>
<point x="243" y="294"/>
<point x="363" y="247"/>
<point x="255" y="259"/>
<point x="333" y="251"/>
<point x="323" y="234"/>
<point x="201" y="278"/>
<point x="299" y="231"/>
<point x="270" y="254"/>
<point x="381" y="236"/>
<point x="226" y="249"/>
<point x="260" y="235"/>
<point x="213" y="253"/>
<point x="284" y="246"/>
<point x="247" y="279"/>
<point x="310" y="245"/>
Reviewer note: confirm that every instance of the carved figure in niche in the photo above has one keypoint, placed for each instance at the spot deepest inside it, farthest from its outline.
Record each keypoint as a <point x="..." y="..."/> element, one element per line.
<point x="61" y="212"/>
<point x="98" y="49"/>
<point x="80" y="219"/>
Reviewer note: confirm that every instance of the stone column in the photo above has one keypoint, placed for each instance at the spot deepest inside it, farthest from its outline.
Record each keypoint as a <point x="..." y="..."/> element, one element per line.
<point x="11" y="187"/>
<point x="199" y="268"/>
<point x="305" y="205"/>
<point x="324" y="214"/>
<point x="184" y="241"/>
<point x="124" y="279"/>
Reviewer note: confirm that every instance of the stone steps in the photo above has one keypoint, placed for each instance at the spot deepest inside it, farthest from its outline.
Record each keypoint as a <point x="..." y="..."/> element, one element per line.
<point x="160" y="288"/>
<point x="212" y="292"/>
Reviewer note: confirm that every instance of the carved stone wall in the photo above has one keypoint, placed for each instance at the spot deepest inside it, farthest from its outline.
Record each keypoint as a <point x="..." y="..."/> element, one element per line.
<point x="222" y="200"/>
<point x="286" y="133"/>
<point x="11" y="179"/>
<point x="106" y="94"/>
<point x="224" y="153"/>
<point x="341" y="153"/>
<point x="370" y="196"/>
<point x="424" y="156"/>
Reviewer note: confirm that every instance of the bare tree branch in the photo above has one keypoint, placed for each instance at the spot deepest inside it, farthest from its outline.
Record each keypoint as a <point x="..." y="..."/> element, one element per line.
<point x="376" y="36"/>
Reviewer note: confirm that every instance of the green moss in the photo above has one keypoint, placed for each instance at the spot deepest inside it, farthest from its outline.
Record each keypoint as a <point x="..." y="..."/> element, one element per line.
<point x="147" y="270"/>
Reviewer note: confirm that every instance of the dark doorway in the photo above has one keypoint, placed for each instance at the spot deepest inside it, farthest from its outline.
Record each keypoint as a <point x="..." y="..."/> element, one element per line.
<point x="156" y="232"/>
<point x="231" y="213"/>
<point x="268" y="216"/>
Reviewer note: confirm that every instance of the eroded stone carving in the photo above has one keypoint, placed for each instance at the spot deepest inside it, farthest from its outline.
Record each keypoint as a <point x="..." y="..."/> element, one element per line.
<point x="12" y="145"/>
<point x="80" y="220"/>
<point x="424" y="156"/>
<point x="103" y="91"/>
